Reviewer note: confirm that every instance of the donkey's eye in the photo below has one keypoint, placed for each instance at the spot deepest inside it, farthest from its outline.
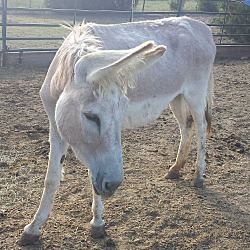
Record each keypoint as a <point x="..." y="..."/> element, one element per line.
<point x="93" y="118"/>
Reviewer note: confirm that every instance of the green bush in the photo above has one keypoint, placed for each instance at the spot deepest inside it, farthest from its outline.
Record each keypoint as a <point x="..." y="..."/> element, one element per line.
<point x="174" y="4"/>
<point x="238" y="19"/>
<point x="207" y="5"/>
<point x="90" y="5"/>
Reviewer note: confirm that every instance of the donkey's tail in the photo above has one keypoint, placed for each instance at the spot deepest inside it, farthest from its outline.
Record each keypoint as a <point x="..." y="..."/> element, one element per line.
<point x="208" y="110"/>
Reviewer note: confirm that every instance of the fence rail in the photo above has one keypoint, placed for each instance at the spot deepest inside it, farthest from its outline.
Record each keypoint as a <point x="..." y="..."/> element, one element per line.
<point x="131" y="14"/>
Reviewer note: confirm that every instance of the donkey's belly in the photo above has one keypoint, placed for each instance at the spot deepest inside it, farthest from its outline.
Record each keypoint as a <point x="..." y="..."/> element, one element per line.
<point x="143" y="112"/>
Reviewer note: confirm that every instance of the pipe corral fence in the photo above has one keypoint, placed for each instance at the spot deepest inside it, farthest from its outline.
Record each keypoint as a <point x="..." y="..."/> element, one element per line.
<point x="12" y="55"/>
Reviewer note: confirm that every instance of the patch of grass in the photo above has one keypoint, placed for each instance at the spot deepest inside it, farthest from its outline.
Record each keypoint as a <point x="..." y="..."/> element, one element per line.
<point x="26" y="3"/>
<point x="7" y="157"/>
<point x="190" y="5"/>
<point x="163" y="5"/>
<point x="21" y="31"/>
<point x="153" y="5"/>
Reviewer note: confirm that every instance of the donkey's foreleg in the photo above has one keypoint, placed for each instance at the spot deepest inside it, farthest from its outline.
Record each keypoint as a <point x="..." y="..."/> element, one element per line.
<point x="97" y="224"/>
<point x="58" y="149"/>
<point x="185" y="120"/>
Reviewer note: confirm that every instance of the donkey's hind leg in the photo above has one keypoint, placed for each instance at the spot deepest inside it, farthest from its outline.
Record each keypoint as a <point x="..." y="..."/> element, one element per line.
<point x="185" y="120"/>
<point x="197" y="109"/>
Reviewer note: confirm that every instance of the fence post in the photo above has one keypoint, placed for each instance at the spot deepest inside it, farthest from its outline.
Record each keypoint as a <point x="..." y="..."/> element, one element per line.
<point x="132" y="10"/>
<point x="143" y="6"/>
<point x="4" y="32"/>
<point x="224" y="20"/>
<point x="75" y="6"/>
<point x="179" y="7"/>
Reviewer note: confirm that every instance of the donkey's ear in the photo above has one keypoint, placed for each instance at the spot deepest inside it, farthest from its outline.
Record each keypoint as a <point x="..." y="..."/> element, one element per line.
<point x="140" y="57"/>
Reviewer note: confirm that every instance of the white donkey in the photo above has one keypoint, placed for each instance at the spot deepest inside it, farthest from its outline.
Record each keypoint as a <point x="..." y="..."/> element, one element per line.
<point x="93" y="89"/>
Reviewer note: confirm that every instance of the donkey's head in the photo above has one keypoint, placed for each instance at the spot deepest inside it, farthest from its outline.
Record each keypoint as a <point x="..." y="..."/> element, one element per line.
<point x="89" y="111"/>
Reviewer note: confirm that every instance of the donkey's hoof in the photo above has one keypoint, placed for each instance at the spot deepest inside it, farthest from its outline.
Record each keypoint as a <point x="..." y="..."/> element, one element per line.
<point x="198" y="183"/>
<point x="98" y="232"/>
<point x="29" y="239"/>
<point x="172" y="175"/>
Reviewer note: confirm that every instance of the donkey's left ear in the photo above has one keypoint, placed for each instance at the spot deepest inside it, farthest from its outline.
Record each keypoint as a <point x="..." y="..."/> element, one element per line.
<point x="152" y="56"/>
<point x="141" y="57"/>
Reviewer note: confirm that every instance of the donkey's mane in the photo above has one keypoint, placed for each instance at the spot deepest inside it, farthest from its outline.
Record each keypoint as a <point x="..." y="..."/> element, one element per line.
<point x="80" y="42"/>
<point x="124" y="80"/>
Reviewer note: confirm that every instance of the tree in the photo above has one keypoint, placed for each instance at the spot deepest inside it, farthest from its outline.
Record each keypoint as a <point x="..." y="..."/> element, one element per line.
<point x="238" y="19"/>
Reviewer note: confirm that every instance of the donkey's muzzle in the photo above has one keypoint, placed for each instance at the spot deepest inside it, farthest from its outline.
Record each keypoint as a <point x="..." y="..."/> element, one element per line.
<point x="106" y="188"/>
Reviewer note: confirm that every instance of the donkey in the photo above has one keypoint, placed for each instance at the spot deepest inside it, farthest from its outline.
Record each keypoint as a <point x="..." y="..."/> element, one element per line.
<point x="97" y="85"/>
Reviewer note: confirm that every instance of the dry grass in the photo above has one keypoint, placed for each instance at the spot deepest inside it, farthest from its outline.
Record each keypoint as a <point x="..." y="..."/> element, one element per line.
<point x="16" y="31"/>
<point x="148" y="212"/>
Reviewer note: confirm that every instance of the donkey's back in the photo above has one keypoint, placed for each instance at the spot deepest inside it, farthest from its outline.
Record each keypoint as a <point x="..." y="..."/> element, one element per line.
<point x="184" y="37"/>
<point x="190" y="52"/>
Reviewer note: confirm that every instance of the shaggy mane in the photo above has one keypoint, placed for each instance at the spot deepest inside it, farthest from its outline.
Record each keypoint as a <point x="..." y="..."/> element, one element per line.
<point x="79" y="42"/>
<point x="124" y="80"/>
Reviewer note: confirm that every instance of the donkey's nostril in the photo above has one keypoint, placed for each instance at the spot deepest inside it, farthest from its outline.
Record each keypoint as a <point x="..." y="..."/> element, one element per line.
<point x="112" y="186"/>
<point x="109" y="186"/>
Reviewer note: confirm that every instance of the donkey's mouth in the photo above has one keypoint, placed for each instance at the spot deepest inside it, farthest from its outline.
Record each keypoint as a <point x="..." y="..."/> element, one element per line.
<point x="103" y="194"/>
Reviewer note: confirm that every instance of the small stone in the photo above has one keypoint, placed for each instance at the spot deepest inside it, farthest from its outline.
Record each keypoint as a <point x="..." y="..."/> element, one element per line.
<point x="109" y="243"/>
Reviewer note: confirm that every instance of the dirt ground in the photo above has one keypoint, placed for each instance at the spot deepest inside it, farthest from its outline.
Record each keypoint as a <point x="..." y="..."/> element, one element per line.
<point x="148" y="211"/>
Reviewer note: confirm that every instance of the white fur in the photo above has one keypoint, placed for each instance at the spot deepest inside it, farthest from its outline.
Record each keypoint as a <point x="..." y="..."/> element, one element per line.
<point x="91" y="91"/>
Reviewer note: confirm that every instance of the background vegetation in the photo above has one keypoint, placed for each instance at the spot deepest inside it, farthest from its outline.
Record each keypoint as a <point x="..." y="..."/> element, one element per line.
<point x="238" y="19"/>
<point x="150" y="5"/>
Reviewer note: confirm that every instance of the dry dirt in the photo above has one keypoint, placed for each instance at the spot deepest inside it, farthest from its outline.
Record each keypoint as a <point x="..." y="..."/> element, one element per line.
<point x="148" y="211"/>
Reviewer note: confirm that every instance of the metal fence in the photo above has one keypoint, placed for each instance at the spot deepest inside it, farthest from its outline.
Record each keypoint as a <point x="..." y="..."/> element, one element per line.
<point x="220" y="36"/>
